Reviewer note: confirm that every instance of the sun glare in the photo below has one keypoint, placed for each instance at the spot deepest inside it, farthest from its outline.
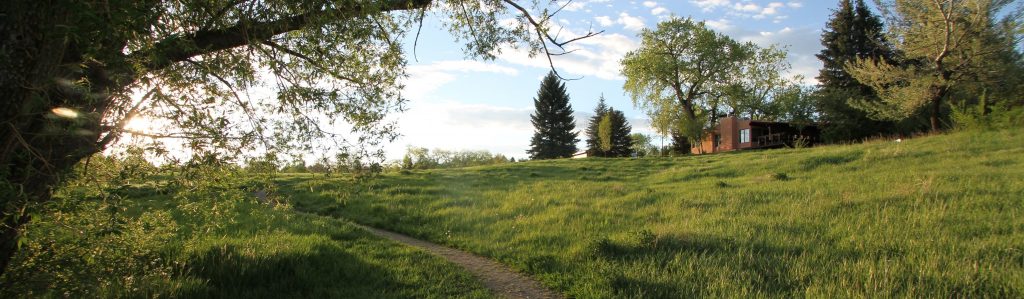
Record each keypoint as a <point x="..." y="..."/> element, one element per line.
<point x="140" y="124"/>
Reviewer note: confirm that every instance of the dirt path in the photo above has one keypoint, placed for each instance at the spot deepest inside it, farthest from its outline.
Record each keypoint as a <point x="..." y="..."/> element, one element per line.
<point x="500" y="279"/>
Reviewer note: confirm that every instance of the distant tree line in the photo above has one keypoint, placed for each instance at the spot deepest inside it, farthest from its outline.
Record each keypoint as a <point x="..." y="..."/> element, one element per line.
<point x="422" y="158"/>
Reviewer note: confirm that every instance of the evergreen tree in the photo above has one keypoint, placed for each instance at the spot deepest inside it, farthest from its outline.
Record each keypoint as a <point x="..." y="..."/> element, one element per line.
<point x="593" y="140"/>
<point x="680" y="144"/>
<point x="621" y="141"/>
<point x="853" y="32"/>
<point x="553" y="123"/>
<point x="608" y="133"/>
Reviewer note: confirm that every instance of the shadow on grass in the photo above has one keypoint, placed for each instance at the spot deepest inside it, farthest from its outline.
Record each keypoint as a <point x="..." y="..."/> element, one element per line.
<point x="767" y="264"/>
<point x="323" y="271"/>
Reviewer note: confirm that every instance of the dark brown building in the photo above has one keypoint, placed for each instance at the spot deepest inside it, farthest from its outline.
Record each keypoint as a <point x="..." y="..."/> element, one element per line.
<point x="733" y="134"/>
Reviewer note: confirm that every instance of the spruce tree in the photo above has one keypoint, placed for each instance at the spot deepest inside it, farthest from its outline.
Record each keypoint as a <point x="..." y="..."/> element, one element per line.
<point x="593" y="140"/>
<point x="621" y="141"/>
<point x="853" y="32"/>
<point x="553" y="123"/>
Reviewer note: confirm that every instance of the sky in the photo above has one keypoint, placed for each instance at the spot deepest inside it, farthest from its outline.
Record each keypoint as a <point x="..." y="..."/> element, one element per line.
<point x="460" y="104"/>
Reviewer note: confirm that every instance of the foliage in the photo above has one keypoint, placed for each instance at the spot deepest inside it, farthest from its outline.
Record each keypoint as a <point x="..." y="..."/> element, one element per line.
<point x="1001" y="114"/>
<point x="422" y="158"/>
<point x="672" y="73"/>
<point x="933" y="216"/>
<point x="593" y="138"/>
<point x="853" y="32"/>
<point x="796" y="104"/>
<point x="685" y="76"/>
<point x="77" y="72"/>
<point x="642" y="145"/>
<point x="759" y="85"/>
<point x="553" y="122"/>
<point x="201" y="231"/>
<point x="616" y="132"/>
<point x="947" y="44"/>
<point x="604" y="132"/>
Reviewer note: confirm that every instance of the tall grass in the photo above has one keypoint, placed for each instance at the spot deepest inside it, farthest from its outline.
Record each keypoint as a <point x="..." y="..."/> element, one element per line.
<point x="210" y="237"/>
<point x="939" y="216"/>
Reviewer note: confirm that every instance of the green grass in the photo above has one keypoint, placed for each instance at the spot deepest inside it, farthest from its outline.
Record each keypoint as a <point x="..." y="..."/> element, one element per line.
<point x="939" y="216"/>
<point x="217" y="244"/>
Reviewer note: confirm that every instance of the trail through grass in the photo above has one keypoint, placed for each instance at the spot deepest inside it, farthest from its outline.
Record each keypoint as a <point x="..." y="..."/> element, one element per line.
<point x="221" y="244"/>
<point x="935" y="216"/>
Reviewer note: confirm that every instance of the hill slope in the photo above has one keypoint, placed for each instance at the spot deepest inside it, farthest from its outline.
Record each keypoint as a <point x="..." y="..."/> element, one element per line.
<point x="929" y="217"/>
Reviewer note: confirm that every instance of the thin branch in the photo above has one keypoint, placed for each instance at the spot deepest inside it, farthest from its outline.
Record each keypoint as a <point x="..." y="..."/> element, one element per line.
<point x="419" y="28"/>
<point x="309" y="60"/>
<point x="24" y="143"/>
<point x="115" y="133"/>
<point x="179" y="135"/>
<point x="544" y="37"/>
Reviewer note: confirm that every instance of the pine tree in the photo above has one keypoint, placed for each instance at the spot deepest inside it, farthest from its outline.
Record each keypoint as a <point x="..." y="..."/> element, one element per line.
<point x="853" y="32"/>
<point x="593" y="140"/>
<point x="553" y="122"/>
<point x="621" y="141"/>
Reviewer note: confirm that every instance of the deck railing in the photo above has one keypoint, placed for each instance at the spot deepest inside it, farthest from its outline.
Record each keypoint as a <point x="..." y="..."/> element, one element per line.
<point x="770" y="140"/>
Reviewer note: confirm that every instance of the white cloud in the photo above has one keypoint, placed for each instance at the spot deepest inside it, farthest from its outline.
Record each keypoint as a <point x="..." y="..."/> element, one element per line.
<point x="604" y="21"/>
<point x="746" y="7"/>
<point x="719" y="25"/>
<point x="462" y="126"/>
<point x="772" y="8"/>
<point x="425" y="78"/>
<point x="572" y="6"/>
<point x="630" y="22"/>
<point x="709" y="5"/>
<point x="596" y="56"/>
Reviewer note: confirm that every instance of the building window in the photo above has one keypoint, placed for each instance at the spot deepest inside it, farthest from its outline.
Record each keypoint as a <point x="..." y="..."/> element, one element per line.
<point x="745" y="136"/>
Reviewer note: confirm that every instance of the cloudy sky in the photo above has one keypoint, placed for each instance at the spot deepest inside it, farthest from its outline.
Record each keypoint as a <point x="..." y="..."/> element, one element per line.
<point x="461" y="104"/>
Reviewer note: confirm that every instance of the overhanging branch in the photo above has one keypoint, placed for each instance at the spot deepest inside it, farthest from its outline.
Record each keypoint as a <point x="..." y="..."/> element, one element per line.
<point x="180" y="47"/>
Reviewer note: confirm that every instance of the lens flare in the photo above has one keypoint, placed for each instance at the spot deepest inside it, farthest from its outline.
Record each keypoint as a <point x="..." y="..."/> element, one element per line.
<point x="65" y="112"/>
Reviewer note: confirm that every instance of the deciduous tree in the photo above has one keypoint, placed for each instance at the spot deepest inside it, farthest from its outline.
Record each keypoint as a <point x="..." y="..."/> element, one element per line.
<point x="947" y="43"/>
<point x="677" y="65"/>
<point x="75" y="72"/>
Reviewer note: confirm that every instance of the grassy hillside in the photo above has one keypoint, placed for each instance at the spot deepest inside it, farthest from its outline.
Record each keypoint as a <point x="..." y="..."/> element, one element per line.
<point x="214" y="240"/>
<point x="938" y="216"/>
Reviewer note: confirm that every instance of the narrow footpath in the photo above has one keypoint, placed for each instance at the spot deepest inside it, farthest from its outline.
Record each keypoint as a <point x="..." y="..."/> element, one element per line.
<point x="500" y="279"/>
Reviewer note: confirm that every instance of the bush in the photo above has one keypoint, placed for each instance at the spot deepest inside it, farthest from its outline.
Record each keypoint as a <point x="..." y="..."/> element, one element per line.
<point x="987" y="116"/>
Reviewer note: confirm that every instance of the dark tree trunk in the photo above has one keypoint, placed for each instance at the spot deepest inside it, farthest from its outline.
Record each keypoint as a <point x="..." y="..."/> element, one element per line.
<point x="47" y="48"/>
<point x="936" y="95"/>
<point x="38" y="146"/>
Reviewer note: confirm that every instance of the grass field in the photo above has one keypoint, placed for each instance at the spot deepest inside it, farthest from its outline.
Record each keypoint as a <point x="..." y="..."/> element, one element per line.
<point x="939" y="216"/>
<point x="216" y="241"/>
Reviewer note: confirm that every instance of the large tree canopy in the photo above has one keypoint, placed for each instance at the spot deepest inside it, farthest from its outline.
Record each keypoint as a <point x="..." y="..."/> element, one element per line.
<point x="853" y="32"/>
<point x="223" y="75"/>
<point x="947" y="43"/>
<point x="685" y="75"/>
<point x="678" y="64"/>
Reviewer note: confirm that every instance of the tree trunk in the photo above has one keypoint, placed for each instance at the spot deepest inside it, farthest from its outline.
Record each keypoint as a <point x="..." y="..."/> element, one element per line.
<point x="936" y="95"/>
<point x="39" y="145"/>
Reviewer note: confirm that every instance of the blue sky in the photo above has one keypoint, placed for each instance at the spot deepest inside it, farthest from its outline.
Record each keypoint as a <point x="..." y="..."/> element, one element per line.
<point x="464" y="104"/>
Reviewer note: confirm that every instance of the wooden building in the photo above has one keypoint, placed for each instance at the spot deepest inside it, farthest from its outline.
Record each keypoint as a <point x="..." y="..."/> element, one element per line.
<point x="733" y="134"/>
